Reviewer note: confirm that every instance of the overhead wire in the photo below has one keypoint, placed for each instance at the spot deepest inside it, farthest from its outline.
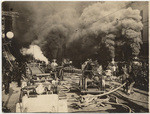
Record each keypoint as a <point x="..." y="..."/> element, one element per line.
<point x="100" y="18"/>
<point x="113" y="12"/>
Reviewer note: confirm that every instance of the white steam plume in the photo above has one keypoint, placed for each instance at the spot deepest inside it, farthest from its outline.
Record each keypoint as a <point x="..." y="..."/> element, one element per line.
<point x="36" y="52"/>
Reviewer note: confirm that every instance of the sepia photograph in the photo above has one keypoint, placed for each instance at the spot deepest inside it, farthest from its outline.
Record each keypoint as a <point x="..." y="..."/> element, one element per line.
<point x="75" y="56"/>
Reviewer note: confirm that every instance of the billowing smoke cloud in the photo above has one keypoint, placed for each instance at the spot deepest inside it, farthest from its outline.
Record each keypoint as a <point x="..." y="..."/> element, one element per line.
<point x="47" y="24"/>
<point x="131" y="29"/>
<point x="108" y="22"/>
<point x="78" y="28"/>
<point x="36" y="52"/>
<point x="55" y="32"/>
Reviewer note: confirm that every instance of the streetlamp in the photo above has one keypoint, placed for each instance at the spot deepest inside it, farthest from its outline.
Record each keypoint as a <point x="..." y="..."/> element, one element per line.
<point x="10" y="35"/>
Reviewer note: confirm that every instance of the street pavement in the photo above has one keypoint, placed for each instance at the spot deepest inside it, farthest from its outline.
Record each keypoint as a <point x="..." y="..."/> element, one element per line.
<point x="12" y="98"/>
<point x="138" y="101"/>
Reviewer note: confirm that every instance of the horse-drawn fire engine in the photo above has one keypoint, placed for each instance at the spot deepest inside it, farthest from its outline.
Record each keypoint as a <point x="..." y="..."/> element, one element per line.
<point x="39" y="93"/>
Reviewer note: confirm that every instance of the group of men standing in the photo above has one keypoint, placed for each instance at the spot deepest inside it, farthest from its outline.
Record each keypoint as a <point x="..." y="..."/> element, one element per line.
<point x="129" y="72"/>
<point x="90" y="68"/>
<point x="12" y="74"/>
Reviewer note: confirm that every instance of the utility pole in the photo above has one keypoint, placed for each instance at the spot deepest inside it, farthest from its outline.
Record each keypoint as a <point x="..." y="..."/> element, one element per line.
<point x="6" y="14"/>
<point x="7" y="35"/>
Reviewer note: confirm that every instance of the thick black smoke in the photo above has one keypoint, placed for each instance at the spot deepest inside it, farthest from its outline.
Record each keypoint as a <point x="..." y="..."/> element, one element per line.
<point x="77" y="30"/>
<point x="103" y="25"/>
<point x="47" y="24"/>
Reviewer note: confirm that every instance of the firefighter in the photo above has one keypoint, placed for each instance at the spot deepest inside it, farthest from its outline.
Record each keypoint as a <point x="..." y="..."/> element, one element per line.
<point x="55" y="84"/>
<point x="54" y="64"/>
<point x="125" y="78"/>
<point x="101" y="78"/>
<point x="100" y="69"/>
<point x="7" y="80"/>
<point x="48" y="67"/>
<point x="53" y="67"/>
<point x="87" y="73"/>
<point x="23" y="69"/>
<point x="131" y="82"/>
<point x="98" y="77"/>
<point x="84" y="64"/>
<point x="135" y="67"/>
<point x="18" y="75"/>
<point x="113" y="67"/>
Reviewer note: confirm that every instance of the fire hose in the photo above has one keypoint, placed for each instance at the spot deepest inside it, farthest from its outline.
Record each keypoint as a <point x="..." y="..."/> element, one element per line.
<point x="100" y="95"/>
<point x="146" y="102"/>
<point x="114" y="90"/>
<point x="103" y="102"/>
<point x="123" y="105"/>
<point x="113" y="103"/>
<point x="132" y="98"/>
<point x="103" y="93"/>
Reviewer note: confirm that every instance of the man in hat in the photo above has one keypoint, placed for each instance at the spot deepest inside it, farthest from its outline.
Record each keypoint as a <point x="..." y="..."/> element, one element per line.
<point x="18" y="75"/>
<point x="84" y="64"/>
<point x="135" y="67"/>
<point x="125" y="78"/>
<point x="113" y="67"/>
<point x="87" y="73"/>
<point x="53" y="67"/>
<point x="54" y="64"/>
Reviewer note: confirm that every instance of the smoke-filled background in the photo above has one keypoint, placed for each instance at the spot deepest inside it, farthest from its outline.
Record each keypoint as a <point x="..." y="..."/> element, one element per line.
<point x="78" y="30"/>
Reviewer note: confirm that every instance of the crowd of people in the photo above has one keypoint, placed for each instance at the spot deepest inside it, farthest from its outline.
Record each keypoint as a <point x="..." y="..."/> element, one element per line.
<point x="130" y="73"/>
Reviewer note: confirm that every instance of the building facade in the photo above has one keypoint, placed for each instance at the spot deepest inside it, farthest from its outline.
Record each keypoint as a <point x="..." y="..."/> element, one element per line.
<point x="143" y="7"/>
